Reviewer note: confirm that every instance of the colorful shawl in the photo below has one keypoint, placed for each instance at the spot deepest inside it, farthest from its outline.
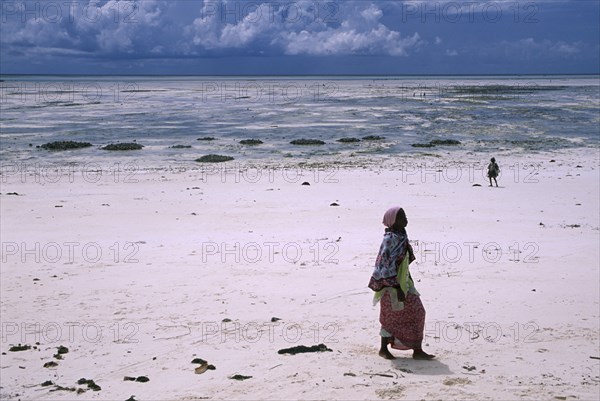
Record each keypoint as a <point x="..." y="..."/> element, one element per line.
<point x="392" y="253"/>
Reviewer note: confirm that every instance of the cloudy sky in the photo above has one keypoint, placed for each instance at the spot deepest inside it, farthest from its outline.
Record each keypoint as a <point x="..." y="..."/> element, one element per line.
<point x="241" y="37"/>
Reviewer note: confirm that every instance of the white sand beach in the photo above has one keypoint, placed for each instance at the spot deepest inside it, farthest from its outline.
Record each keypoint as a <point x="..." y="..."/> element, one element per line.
<point x="139" y="272"/>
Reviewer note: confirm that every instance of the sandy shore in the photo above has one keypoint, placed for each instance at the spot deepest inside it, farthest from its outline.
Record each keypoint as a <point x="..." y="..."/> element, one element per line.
<point x="138" y="272"/>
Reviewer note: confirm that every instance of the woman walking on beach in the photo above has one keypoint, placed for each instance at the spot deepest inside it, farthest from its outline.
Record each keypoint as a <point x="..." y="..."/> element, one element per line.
<point x="402" y="315"/>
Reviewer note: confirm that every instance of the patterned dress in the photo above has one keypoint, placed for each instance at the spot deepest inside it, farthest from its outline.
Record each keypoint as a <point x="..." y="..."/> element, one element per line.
<point x="402" y="315"/>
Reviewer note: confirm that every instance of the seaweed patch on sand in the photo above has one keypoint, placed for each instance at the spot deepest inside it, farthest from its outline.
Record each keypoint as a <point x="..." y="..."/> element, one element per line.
<point x="301" y="349"/>
<point x="214" y="159"/>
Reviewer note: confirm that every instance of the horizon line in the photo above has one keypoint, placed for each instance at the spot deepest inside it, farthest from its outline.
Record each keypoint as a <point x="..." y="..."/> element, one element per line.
<point x="302" y="75"/>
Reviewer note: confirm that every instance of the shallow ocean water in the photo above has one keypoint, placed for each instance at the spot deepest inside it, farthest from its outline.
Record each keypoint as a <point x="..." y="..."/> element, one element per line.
<point x="483" y="113"/>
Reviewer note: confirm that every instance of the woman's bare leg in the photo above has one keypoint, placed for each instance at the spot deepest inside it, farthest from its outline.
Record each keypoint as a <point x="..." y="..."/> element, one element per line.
<point x="384" y="352"/>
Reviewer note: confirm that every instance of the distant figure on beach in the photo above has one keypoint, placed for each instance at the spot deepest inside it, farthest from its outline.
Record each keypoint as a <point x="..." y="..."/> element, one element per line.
<point x="402" y="315"/>
<point x="493" y="171"/>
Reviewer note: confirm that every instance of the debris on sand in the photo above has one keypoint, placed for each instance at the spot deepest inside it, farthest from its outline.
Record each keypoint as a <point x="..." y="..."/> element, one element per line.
<point x="204" y="366"/>
<point x="16" y="348"/>
<point x="139" y="379"/>
<point x="300" y="349"/>
<point x="90" y="383"/>
<point x="50" y="364"/>
<point x="240" y="377"/>
<point x="62" y="350"/>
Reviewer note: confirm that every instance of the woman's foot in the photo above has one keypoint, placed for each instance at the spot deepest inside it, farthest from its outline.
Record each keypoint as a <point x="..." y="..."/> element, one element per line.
<point x="422" y="355"/>
<point x="386" y="354"/>
<point x="383" y="350"/>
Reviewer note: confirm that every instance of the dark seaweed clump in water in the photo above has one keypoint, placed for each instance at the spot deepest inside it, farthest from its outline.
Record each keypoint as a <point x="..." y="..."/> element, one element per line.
<point x="445" y="142"/>
<point x="502" y="89"/>
<point x="530" y="144"/>
<point x="348" y="140"/>
<point x="123" y="146"/>
<point x="373" y="138"/>
<point x="435" y="142"/>
<point x="251" y="142"/>
<point x="214" y="159"/>
<point x="180" y="146"/>
<point x="206" y="138"/>
<point x="307" y="142"/>
<point x="65" y="145"/>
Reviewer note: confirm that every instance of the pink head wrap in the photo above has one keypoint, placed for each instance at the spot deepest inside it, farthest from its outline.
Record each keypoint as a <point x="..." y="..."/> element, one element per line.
<point x="389" y="218"/>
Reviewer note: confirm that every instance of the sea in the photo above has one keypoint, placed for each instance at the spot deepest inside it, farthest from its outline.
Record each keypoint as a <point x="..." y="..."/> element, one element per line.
<point x="181" y="118"/>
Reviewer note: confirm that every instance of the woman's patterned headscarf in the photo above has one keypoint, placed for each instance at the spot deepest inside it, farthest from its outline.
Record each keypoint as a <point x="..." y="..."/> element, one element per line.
<point x="389" y="218"/>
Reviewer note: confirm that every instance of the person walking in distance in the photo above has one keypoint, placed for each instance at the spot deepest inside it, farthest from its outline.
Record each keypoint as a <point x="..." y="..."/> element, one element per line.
<point x="493" y="171"/>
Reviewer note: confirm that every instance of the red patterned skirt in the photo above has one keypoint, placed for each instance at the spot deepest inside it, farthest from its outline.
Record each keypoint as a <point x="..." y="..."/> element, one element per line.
<point x="406" y="325"/>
